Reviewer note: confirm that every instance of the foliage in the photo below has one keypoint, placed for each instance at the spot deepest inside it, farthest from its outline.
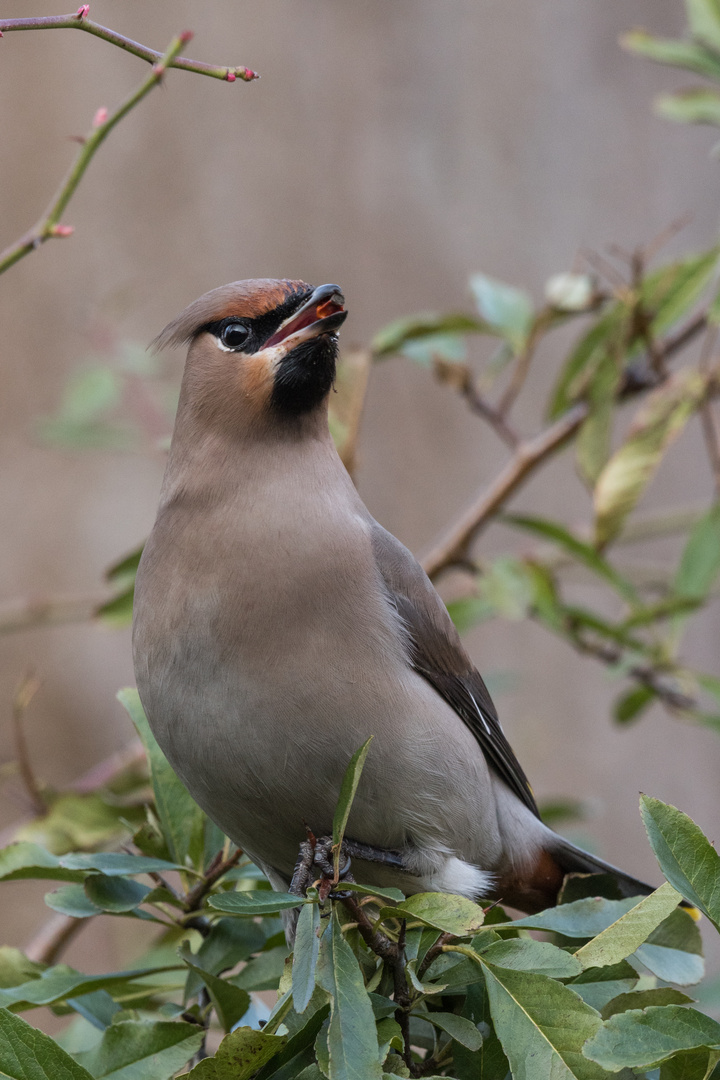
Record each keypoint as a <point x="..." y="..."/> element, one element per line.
<point x="378" y="985"/>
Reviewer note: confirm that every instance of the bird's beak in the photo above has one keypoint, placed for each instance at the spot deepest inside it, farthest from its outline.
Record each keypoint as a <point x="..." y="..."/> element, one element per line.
<point x="323" y="313"/>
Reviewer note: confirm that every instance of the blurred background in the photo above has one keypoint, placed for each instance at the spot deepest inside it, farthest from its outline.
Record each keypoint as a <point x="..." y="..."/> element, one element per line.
<point x="393" y="148"/>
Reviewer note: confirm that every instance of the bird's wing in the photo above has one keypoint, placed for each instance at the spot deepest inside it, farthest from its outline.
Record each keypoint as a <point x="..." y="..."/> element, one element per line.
<point x="437" y="654"/>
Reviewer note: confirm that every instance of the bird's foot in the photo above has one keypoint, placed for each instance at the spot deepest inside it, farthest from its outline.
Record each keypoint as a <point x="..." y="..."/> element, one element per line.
<point x="317" y="854"/>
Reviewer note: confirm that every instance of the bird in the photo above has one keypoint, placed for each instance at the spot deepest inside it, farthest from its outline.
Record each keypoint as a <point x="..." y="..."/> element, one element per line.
<point x="277" y="626"/>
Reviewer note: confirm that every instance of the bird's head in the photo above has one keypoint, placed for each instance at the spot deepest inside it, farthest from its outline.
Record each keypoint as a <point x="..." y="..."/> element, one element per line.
<point x="261" y="351"/>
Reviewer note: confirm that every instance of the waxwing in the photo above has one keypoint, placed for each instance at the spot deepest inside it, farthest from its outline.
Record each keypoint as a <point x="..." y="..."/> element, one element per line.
<point x="277" y="626"/>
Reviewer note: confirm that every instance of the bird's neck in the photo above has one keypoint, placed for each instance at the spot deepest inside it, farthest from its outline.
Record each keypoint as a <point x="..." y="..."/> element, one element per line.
<point x="214" y="464"/>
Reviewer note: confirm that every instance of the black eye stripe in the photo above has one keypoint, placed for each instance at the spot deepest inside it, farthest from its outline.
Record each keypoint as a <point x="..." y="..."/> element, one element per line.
<point x="261" y="328"/>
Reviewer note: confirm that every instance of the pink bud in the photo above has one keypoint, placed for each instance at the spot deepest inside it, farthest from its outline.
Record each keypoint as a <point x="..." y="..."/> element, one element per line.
<point x="100" y="117"/>
<point x="82" y="11"/>
<point x="231" y="76"/>
<point x="62" y="230"/>
<point x="187" y="35"/>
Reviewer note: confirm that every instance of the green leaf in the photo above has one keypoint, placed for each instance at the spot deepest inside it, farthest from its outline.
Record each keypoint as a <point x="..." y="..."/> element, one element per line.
<point x="671" y="291"/>
<point x="349" y="786"/>
<point x="28" y="860"/>
<point x="263" y="972"/>
<point x="396" y="895"/>
<point x="230" y="1002"/>
<point x="581" y="919"/>
<point x="509" y="311"/>
<point x="594" y="439"/>
<point x="142" y="1050"/>
<point x="489" y="1062"/>
<point x="582" y="552"/>
<point x="658" y="422"/>
<point x="704" y="20"/>
<point x="624" y="936"/>
<point x="457" y="1027"/>
<point x="116" y="863"/>
<point x="29" y="1054"/>
<point x="526" y="954"/>
<point x="542" y="1026"/>
<point x="676" y="53"/>
<point x="122" y="572"/>
<point x="16" y="967"/>
<point x="115" y="893"/>
<point x="632" y="704"/>
<point x="696" y="106"/>
<point x="598" y="986"/>
<point x="392" y="337"/>
<point x="181" y="818"/>
<point x="690" y="1065"/>
<point x="444" y="911"/>
<point x="673" y="952"/>
<point x="449" y="348"/>
<point x="642" y="999"/>
<point x="352" y="1039"/>
<point x="61" y="982"/>
<point x="76" y="820"/>
<point x="506" y="588"/>
<point x="639" y="1038"/>
<point x="307" y="945"/>
<point x="117" y="612"/>
<point x="700" y="562"/>
<point x="601" y="340"/>
<point x="253" y="902"/>
<point x="687" y="858"/>
<point x="240" y="1055"/>
<point x="72" y="900"/>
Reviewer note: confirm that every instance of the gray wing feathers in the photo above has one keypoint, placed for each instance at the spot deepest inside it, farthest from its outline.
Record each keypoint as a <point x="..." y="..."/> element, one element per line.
<point x="437" y="654"/>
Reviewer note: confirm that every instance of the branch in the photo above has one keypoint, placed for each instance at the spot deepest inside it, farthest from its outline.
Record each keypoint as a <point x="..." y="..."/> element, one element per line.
<point x="49" y="225"/>
<point x="21" y="701"/>
<point x="78" y="21"/>
<point x="452" y="550"/>
<point x="51" y="940"/>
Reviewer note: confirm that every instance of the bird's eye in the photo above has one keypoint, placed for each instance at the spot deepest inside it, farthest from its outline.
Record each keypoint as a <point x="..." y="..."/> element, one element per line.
<point x="234" y="335"/>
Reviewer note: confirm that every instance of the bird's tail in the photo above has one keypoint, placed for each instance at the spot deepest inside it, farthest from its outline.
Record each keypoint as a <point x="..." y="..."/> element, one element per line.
<point x="573" y="860"/>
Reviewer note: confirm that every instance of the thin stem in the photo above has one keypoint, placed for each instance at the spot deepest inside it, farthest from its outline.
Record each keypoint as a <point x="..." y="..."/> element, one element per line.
<point x="23" y="696"/>
<point x="452" y="550"/>
<point x="53" y="938"/>
<point x="79" y="22"/>
<point x="215" y="871"/>
<point x="49" y="224"/>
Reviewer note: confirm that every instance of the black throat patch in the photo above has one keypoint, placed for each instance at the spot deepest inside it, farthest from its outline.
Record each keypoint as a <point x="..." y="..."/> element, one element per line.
<point x="304" y="377"/>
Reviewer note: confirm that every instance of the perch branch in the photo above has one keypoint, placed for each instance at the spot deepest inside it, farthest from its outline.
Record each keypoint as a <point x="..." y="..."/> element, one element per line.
<point x="79" y="21"/>
<point x="28" y="613"/>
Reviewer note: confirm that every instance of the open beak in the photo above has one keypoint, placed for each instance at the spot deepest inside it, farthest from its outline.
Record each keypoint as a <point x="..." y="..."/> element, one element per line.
<point x="323" y="313"/>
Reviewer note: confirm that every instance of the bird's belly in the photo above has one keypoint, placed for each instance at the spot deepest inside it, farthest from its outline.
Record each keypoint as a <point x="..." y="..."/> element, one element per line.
<point x="264" y="753"/>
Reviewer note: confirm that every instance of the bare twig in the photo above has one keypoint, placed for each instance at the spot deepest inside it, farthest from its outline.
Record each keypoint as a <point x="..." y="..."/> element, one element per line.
<point x="524" y="360"/>
<point x="78" y="21"/>
<point x="52" y="939"/>
<point x="647" y="675"/>
<point x="215" y="871"/>
<point x="452" y="550"/>
<point x="24" y="694"/>
<point x="708" y="420"/>
<point x="49" y="225"/>
<point x="460" y="376"/>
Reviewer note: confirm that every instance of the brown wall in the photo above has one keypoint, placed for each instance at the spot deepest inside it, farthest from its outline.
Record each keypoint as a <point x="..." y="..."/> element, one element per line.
<point x="393" y="146"/>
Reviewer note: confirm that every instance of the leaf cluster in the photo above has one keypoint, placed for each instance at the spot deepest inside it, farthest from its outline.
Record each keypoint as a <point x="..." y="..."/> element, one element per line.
<point x="379" y="985"/>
